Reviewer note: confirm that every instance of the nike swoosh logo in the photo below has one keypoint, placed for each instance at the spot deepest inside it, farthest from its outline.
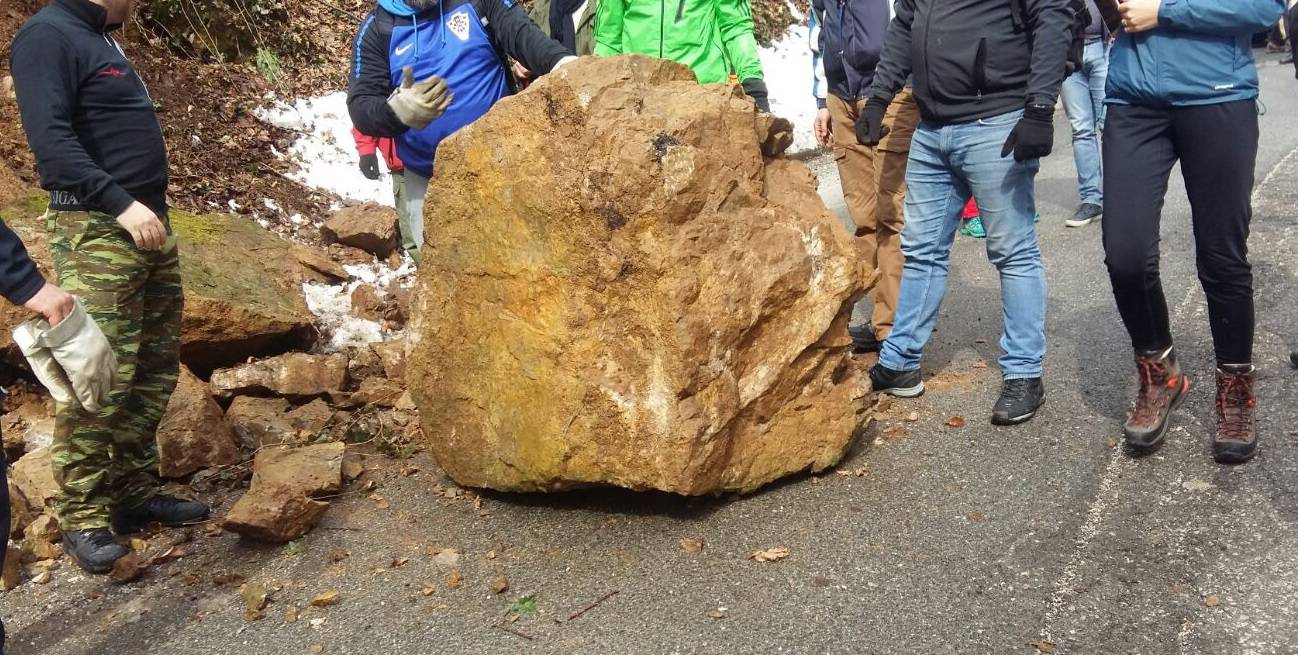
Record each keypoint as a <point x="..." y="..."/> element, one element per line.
<point x="402" y="50"/>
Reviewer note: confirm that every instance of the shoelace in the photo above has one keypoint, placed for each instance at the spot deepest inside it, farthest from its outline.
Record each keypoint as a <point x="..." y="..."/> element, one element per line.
<point x="1149" y="402"/>
<point x="1015" y="390"/>
<point x="1235" y="406"/>
<point x="98" y="538"/>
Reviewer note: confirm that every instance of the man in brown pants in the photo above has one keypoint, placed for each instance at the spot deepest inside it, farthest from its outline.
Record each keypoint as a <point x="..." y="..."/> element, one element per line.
<point x="846" y="39"/>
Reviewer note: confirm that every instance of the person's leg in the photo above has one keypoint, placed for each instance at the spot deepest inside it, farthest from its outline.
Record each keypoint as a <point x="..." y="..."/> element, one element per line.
<point x="416" y="189"/>
<point x="858" y="178"/>
<point x="891" y="157"/>
<point x="1080" y="108"/>
<point x="1097" y="70"/>
<point x="934" y="197"/>
<point x="1138" y="158"/>
<point x="1003" y="188"/>
<point x="408" y="243"/>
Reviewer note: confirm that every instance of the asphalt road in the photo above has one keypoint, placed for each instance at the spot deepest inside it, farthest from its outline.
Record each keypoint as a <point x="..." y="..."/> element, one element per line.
<point x="973" y="540"/>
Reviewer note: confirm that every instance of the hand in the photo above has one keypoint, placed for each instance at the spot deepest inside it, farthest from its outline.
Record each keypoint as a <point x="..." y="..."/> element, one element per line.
<point x="1139" y="15"/>
<point x="73" y="359"/>
<point x="755" y="88"/>
<point x="418" y="104"/>
<point x="51" y="302"/>
<point x="1033" y="137"/>
<point x="870" y="129"/>
<point x="144" y="226"/>
<point x="823" y="134"/>
<point x="521" y="72"/>
<point x="370" y="166"/>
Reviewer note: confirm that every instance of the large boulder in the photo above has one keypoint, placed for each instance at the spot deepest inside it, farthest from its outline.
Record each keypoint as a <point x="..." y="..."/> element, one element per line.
<point x="242" y="291"/>
<point x="194" y="434"/>
<point x="619" y="288"/>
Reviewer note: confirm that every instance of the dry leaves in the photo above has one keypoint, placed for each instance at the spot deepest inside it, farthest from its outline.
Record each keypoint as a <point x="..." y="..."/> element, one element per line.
<point x="1043" y="646"/>
<point x="380" y="502"/>
<point x="499" y="584"/>
<point x="290" y="615"/>
<point x="43" y="577"/>
<point x="455" y="580"/>
<point x="955" y="422"/>
<point x="718" y="613"/>
<point x="428" y="590"/>
<point x="692" y="545"/>
<point x="770" y="554"/>
<point x="976" y="517"/>
<point x="129" y="568"/>
<point x="1211" y="601"/>
<point x="326" y="599"/>
<point x="912" y="417"/>
<point x="407" y="471"/>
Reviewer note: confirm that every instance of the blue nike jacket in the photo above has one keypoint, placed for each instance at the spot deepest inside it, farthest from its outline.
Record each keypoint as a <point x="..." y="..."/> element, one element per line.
<point x="463" y="41"/>
<point x="1200" y="54"/>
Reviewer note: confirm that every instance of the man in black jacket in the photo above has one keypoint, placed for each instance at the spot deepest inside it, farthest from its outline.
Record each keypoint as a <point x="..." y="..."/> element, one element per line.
<point x="100" y="153"/>
<point x="456" y="49"/>
<point x="986" y="77"/>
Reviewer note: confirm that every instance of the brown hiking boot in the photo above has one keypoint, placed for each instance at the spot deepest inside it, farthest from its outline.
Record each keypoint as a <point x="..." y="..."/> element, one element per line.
<point x="1236" y="438"/>
<point x="1162" y="388"/>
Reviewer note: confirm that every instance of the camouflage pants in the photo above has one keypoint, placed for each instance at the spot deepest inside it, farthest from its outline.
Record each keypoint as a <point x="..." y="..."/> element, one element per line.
<point x="110" y="459"/>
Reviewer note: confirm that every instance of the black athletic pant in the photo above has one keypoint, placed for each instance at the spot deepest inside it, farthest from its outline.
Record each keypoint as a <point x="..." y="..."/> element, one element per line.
<point x="1217" y="146"/>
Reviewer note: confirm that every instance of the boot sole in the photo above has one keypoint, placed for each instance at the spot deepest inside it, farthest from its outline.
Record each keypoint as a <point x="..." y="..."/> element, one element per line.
<point x="1235" y="457"/>
<point x="1022" y="418"/>
<point x="904" y="392"/>
<point x="1075" y="223"/>
<point x="1158" y="437"/>
<point x="93" y="570"/>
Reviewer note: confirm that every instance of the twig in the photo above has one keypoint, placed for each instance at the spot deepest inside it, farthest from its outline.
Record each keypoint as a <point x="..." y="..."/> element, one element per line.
<point x="514" y="632"/>
<point x="594" y="604"/>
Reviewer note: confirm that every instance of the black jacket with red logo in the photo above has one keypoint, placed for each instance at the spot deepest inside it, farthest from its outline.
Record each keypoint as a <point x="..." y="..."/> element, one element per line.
<point x="87" y="114"/>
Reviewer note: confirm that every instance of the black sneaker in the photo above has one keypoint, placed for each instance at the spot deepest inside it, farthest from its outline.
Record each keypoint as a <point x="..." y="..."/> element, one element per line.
<point x="863" y="340"/>
<point x="1020" y="399"/>
<point x="1085" y="215"/>
<point x="93" y="550"/>
<point x="902" y="384"/>
<point x="169" y="511"/>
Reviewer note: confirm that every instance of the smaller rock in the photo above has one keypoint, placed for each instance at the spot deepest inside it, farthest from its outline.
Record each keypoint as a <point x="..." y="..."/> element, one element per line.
<point x="12" y="575"/>
<point x="194" y="434"/>
<point x="318" y="267"/>
<point x="366" y="303"/>
<point x="129" y="568"/>
<point x="400" y="295"/>
<point x="363" y="362"/>
<point x="311" y="470"/>
<point x="21" y="511"/>
<point x="274" y="513"/>
<point x="348" y="255"/>
<point x="393" y="355"/>
<point x="259" y="422"/>
<point x="370" y="227"/>
<point x="295" y="375"/>
<point x="380" y="392"/>
<point x="34" y="477"/>
<point x="45" y="528"/>
<point x="310" y="419"/>
<point x="353" y="466"/>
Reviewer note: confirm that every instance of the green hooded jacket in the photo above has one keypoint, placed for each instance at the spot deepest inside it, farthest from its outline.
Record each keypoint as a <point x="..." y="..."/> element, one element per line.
<point x="712" y="37"/>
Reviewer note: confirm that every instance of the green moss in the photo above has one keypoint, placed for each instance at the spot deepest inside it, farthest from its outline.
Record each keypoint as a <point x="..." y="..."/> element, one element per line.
<point x="35" y="205"/>
<point x="198" y="228"/>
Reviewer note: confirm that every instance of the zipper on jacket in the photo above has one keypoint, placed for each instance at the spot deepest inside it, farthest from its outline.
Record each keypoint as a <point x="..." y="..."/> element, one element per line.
<point x="680" y="12"/>
<point x="980" y="67"/>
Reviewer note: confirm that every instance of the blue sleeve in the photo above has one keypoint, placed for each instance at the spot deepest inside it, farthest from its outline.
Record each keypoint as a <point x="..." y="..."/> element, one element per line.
<point x="1216" y="17"/>
<point x="19" y="279"/>
<point x="816" y="40"/>
<point x="370" y="82"/>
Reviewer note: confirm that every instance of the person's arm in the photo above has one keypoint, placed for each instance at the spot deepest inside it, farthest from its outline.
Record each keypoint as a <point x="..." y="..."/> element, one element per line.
<point x="608" y="27"/>
<point x="46" y="79"/>
<point x="1051" y="25"/>
<point x="816" y="39"/>
<point x="895" y="62"/>
<point x="520" y="38"/>
<point x="365" y="144"/>
<point x="1242" y="17"/>
<point x="735" y="24"/>
<point x="19" y="278"/>
<point x="370" y="83"/>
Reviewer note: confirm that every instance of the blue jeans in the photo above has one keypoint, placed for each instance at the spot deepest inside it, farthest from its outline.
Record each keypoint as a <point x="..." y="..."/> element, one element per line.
<point x="1083" y="96"/>
<point x="948" y="163"/>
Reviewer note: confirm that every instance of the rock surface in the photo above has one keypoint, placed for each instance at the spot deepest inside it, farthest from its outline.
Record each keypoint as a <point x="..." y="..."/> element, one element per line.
<point x="618" y="288"/>
<point x="292" y="375"/>
<point x="194" y="434"/>
<point x="260" y="422"/>
<point x="278" y="507"/>
<point x="370" y="227"/>
<point x="33" y="477"/>
<point x="312" y="470"/>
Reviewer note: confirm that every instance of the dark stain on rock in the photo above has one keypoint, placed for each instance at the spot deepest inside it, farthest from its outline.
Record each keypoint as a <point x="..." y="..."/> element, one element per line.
<point x="612" y="217"/>
<point x="661" y="143"/>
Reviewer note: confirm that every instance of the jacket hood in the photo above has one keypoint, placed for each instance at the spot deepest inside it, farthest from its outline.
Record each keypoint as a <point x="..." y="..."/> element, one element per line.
<point x="397" y="8"/>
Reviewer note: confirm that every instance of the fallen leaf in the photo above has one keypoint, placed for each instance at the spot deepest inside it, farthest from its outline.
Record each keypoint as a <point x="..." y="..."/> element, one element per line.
<point x="175" y="552"/>
<point x="428" y="590"/>
<point x="128" y="568"/>
<point x="912" y="417"/>
<point x="770" y="554"/>
<point x="491" y="554"/>
<point x="955" y="422"/>
<point x="407" y="471"/>
<point x="139" y="545"/>
<point x="380" y="502"/>
<point x="291" y="615"/>
<point x="692" y="545"/>
<point x="43" y="577"/>
<point x="399" y="562"/>
<point x="455" y="580"/>
<point x="1212" y="600"/>
<point x="499" y="584"/>
<point x="976" y="517"/>
<point x="1043" y="646"/>
<point x="326" y="599"/>
<point x="718" y="613"/>
<point x="1113" y="442"/>
<point x="254" y="596"/>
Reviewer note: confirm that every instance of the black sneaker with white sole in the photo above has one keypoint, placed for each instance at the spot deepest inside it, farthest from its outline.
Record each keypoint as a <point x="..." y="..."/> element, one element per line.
<point x="1088" y="213"/>
<point x="902" y="384"/>
<point x="1020" y="399"/>
<point x="863" y="339"/>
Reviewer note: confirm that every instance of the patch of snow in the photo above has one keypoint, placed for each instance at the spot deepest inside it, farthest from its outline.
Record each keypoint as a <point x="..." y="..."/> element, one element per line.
<point x="332" y="303"/>
<point x="786" y="66"/>
<point x="325" y="152"/>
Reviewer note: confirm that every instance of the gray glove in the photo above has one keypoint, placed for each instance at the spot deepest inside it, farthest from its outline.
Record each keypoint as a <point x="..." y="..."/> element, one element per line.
<point x="418" y="104"/>
<point x="72" y="359"/>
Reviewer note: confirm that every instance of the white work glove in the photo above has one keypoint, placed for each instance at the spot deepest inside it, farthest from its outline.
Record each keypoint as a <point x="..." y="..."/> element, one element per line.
<point x="563" y="62"/>
<point x="418" y="104"/>
<point x="72" y="359"/>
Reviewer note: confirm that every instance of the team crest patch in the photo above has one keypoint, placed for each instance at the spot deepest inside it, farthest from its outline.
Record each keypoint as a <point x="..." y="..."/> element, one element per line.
<point x="458" y="23"/>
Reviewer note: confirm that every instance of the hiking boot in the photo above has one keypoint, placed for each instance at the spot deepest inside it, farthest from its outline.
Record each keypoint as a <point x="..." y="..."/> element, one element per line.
<point x="1162" y="388"/>
<point x="94" y="550"/>
<point x="863" y="339"/>
<point x="1020" y="399"/>
<point x="902" y="384"/>
<point x="169" y="511"/>
<point x="1085" y="215"/>
<point x="1236" y="438"/>
<point x="973" y="228"/>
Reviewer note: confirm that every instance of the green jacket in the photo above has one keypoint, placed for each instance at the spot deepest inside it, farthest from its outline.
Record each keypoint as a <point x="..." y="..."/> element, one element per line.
<point x="712" y="37"/>
<point x="540" y="14"/>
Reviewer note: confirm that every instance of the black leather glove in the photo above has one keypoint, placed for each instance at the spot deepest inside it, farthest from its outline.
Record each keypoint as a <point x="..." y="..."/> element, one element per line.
<point x="755" y="88"/>
<point x="1034" y="136"/>
<point x="370" y="166"/>
<point x="869" y="125"/>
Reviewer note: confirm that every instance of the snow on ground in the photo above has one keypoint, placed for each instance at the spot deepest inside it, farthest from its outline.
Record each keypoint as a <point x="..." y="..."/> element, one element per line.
<point x="332" y="304"/>
<point x="787" y="68"/>
<point x="326" y="153"/>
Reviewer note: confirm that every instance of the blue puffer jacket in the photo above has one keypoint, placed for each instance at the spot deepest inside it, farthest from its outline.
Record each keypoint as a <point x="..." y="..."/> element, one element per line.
<point x="1200" y="54"/>
<point x="846" y="40"/>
